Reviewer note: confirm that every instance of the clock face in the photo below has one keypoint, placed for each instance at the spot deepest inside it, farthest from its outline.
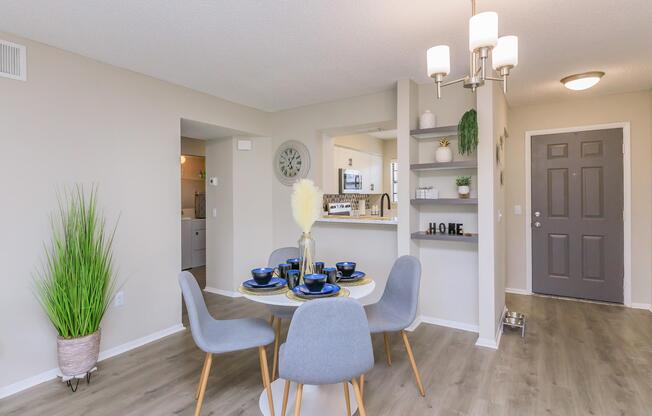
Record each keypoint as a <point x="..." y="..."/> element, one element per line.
<point x="292" y="162"/>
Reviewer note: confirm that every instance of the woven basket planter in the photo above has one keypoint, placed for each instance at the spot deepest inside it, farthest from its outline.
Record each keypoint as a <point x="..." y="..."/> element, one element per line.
<point x="78" y="355"/>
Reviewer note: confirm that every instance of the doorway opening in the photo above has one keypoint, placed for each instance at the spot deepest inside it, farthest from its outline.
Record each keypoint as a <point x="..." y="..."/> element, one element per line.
<point x="578" y="212"/>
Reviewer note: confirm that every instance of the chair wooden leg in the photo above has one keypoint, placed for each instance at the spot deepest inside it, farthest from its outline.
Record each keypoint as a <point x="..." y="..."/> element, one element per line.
<point x="277" y="342"/>
<point x="268" y="384"/>
<point x="362" y="386"/>
<point x="202" y="385"/>
<point x="358" y="397"/>
<point x="417" y="376"/>
<point x="201" y="376"/>
<point x="297" y="401"/>
<point x="347" y="399"/>
<point x="286" y="393"/>
<point x="387" y="353"/>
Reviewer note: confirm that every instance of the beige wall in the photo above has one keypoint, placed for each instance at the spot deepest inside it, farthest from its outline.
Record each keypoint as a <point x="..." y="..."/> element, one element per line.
<point x="361" y="142"/>
<point x="195" y="147"/>
<point x="635" y="108"/>
<point x="76" y="120"/>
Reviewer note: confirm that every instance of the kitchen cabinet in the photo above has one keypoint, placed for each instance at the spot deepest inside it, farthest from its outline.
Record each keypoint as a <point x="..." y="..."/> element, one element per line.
<point x="193" y="243"/>
<point x="193" y="168"/>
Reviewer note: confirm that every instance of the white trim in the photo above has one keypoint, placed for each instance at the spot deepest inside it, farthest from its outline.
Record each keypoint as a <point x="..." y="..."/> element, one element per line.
<point x="636" y="305"/>
<point x="54" y="373"/>
<point x="449" y="324"/>
<point x="518" y="291"/>
<point x="229" y="293"/>
<point x="627" y="200"/>
<point x="493" y="343"/>
<point x="414" y="325"/>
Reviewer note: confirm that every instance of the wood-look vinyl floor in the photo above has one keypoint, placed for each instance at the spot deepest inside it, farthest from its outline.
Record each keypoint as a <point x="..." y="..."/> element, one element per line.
<point x="577" y="359"/>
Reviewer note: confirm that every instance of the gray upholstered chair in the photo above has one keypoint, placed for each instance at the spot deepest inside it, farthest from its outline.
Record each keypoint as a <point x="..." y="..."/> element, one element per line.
<point x="219" y="336"/>
<point x="397" y="308"/>
<point x="279" y="256"/>
<point x="331" y="330"/>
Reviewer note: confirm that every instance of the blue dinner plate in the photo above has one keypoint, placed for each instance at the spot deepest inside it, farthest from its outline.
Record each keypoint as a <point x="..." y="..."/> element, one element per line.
<point x="355" y="276"/>
<point x="328" y="290"/>
<point x="275" y="282"/>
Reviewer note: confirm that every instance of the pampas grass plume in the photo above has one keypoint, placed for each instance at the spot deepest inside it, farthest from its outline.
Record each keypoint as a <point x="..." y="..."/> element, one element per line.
<point x="306" y="204"/>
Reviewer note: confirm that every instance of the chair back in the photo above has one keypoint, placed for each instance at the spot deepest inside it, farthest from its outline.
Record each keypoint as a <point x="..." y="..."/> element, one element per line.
<point x="280" y="255"/>
<point x="198" y="314"/>
<point x="328" y="342"/>
<point x="401" y="295"/>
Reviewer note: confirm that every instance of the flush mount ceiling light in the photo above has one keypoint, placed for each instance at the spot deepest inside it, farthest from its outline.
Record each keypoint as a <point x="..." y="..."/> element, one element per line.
<point x="483" y="41"/>
<point x="579" y="82"/>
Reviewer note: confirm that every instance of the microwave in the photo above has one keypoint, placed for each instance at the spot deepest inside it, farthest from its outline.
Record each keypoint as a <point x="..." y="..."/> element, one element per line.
<point x="350" y="181"/>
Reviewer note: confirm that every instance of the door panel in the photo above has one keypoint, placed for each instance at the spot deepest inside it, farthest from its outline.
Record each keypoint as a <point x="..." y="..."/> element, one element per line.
<point x="577" y="208"/>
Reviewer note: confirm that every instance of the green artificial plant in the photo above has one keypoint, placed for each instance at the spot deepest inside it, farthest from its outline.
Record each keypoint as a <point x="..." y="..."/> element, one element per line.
<point x="463" y="181"/>
<point x="467" y="130"/>
<point x="77" y="280"/>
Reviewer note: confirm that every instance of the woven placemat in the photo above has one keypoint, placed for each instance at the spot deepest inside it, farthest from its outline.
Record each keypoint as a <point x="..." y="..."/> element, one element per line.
<point x="364" y="281"/>
<point x="278" y="291"/>
<point x="343" y="294"/>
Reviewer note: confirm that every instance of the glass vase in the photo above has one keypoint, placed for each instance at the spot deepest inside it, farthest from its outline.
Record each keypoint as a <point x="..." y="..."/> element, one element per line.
<point x="307" y="253"/>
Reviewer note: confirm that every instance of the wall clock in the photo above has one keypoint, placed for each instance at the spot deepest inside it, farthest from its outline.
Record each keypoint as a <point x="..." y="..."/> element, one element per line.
<point x="292" y="162"/>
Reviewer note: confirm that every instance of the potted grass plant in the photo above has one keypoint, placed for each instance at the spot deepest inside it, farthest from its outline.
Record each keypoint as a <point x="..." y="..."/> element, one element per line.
<point x="77" y="280"/>
<point x="467" y="131"/>
<point x="463" y="186"/>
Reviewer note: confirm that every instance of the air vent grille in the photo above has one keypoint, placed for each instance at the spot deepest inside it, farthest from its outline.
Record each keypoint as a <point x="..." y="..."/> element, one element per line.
<point x="13" y="60"/>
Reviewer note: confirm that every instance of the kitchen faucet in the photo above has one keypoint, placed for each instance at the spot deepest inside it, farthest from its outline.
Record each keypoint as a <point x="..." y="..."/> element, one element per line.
<point x="389" y="204"/>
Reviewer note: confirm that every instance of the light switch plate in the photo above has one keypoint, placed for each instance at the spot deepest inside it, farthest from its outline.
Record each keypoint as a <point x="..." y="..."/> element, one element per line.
<point x="517" y="210"/>
<point x="213" y="181"/>
<point x="244" y="145"/>
<point x="214" y="212"/>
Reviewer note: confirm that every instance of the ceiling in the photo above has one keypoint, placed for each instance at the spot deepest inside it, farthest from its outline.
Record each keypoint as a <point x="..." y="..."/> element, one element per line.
<point x="278" y="54"/>
<point x="204" y="131"/>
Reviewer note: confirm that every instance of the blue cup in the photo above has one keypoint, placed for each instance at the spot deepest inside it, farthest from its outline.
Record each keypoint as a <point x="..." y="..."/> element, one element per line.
<point x="293" y="278"/>
<point x="331" y="275"/>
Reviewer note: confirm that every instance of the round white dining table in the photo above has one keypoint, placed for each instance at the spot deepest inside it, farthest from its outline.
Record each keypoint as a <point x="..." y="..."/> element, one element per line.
<point x="323" y="400"/>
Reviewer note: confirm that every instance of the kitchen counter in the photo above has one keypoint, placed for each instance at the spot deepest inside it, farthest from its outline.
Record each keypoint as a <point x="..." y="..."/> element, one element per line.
<point x="367" y="219"/>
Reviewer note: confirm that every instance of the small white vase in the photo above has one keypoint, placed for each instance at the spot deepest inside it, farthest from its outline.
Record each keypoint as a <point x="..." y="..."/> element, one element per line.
<point x="444" y="154"/>
<point x="427" y="120"/>
<point x="463" y="191"/>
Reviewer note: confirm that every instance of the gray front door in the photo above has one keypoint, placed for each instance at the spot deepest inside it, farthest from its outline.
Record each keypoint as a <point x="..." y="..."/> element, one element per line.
<point x="577" y="214"/>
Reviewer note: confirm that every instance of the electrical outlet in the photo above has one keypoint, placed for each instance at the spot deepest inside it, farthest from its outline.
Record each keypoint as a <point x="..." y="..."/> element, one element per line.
<point x="119" y="299"/>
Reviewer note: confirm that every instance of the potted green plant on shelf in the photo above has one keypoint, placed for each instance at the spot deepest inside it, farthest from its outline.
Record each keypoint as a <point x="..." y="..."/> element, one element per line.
<point x="444" y="154"/>
<point x="77" y="281"/>
<point x="463" y="186"/>
<point x="467" y="132"/>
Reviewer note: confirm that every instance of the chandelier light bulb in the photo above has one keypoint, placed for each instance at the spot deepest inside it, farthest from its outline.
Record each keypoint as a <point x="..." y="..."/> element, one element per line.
<point x="439" y="60"/>
<point x="483" y="31"/>
<point x="505" y="54"/>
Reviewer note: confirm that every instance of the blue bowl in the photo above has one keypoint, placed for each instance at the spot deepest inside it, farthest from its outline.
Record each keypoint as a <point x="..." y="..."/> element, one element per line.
<point x="346" y="268"/>
<point x="314" y="282"/>
<point x="262" y="275"/>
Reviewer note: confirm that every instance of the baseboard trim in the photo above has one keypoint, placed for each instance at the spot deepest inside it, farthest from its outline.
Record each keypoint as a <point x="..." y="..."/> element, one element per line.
<point x="517" y="291"/>
<point x="112" y="352"/>
<point x="449" y="324"/>
<point x="487" y="343"/>
<point x="636" y="305"/>
<point x="229" y="293"/>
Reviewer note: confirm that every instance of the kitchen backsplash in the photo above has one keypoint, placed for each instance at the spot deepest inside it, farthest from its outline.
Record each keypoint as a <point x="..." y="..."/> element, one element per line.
<point x="352" y="198"/>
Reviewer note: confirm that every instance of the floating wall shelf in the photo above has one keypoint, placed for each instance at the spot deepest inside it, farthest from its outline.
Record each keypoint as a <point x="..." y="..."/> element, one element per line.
<point x="434" y="133"/>
<point x="421" y="235"/>
<point x="445" y="201"/>
<point x="462" y="164"/>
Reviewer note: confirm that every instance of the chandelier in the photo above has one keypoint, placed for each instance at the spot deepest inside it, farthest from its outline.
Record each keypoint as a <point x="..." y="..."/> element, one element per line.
<point x="483" y="42"/>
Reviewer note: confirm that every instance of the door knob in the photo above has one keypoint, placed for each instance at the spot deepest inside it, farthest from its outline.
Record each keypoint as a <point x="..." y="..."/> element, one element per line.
<point x="537" y="224"/>
<point x="537" y="214"/>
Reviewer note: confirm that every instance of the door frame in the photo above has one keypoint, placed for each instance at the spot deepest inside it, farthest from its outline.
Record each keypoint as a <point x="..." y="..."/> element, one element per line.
<point x="627" y="200"/>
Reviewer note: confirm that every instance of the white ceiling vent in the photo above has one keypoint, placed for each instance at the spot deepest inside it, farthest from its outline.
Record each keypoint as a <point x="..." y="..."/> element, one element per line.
<point x="13" y="60"/>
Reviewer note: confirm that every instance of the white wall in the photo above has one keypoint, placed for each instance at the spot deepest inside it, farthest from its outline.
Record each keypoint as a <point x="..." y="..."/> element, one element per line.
<point x="634" y="107"/>
<point x="76" y="120"/>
